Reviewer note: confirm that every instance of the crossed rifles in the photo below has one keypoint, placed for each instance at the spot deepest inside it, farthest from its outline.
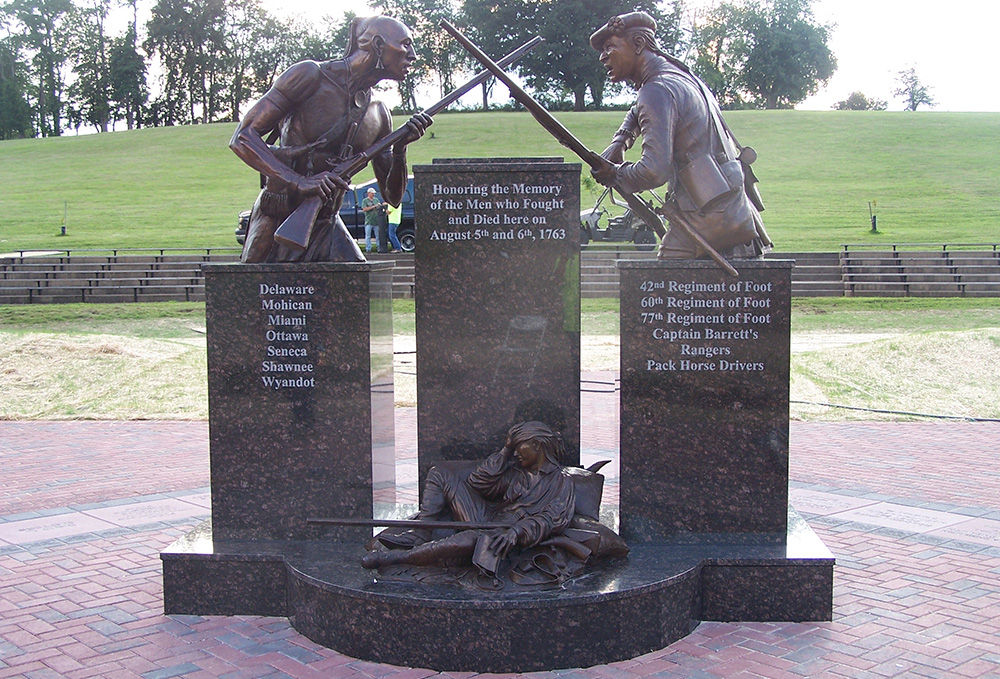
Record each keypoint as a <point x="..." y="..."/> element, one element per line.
<point x="296" y="230"/>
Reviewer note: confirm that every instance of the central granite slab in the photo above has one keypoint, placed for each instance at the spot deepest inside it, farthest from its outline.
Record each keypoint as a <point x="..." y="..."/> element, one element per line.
<point x="497" y="287"/>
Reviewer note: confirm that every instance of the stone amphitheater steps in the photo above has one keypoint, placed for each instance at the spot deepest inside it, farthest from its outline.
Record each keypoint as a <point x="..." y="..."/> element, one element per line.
<point x="117" y="276"/>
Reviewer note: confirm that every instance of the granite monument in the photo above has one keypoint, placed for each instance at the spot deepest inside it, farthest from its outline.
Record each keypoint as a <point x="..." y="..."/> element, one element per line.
<point x="299" y="366"/>
<point x="497" y="277"/>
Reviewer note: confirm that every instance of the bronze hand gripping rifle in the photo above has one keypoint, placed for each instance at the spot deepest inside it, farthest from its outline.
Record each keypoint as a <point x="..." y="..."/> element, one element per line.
<point x="593" y="159"/>
<point x="296" y="230"/>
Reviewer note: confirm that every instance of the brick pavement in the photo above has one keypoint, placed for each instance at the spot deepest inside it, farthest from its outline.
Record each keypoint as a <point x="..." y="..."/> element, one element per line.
<point x="909" y="460"/>
<point x="912" y="596"/>
<point x="62" y="464"/>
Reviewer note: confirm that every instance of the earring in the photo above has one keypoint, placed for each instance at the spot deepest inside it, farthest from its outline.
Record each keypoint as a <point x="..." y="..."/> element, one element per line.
<point x="378" y="60"/>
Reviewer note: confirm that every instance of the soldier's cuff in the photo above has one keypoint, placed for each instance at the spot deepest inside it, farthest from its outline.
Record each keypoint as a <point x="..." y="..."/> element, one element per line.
<point x="624" y="177"/>
<point x="624" y="137"/>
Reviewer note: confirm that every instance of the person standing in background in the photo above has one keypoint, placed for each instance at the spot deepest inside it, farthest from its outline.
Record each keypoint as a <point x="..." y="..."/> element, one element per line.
<point x="372" y="207"/>
<point x="395" y="216"/>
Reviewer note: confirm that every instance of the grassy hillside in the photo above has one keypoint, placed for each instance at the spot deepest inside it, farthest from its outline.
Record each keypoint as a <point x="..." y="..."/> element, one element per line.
<point x="934" y="176"/>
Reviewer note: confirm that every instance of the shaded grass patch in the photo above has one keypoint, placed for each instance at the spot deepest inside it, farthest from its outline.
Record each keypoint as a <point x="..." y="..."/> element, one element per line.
<point x="934" y="373"/>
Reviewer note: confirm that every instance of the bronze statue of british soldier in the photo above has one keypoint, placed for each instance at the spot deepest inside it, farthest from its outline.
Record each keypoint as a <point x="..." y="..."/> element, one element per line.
<point x="522" y="516"/>
<point x="686" y="145"/>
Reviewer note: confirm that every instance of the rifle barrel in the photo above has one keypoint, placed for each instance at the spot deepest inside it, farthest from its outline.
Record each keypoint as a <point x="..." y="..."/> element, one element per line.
<point x="407" y="523"/>
<point x="545" y="119"/>
<point x="482" y="76"/>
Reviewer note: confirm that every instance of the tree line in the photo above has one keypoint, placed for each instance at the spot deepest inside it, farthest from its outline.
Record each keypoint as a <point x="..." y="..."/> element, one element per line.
<point x="200" y="61"/>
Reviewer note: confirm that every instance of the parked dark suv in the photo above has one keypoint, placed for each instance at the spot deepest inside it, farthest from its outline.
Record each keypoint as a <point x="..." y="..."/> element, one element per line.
<point x="354" y="218"/>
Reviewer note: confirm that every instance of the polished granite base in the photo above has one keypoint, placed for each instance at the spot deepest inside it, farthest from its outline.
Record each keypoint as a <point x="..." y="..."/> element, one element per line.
<point x="620" y="610"/>
<point x="300" y="394"/>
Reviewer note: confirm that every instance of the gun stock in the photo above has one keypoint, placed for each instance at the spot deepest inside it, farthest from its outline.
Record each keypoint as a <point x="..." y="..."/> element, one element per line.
<point x="296" y="231"/>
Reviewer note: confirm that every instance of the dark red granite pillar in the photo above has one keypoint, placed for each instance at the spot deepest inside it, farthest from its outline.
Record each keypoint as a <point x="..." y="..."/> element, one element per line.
<point x="704" y="402"/>
<point x="300" y="394"/>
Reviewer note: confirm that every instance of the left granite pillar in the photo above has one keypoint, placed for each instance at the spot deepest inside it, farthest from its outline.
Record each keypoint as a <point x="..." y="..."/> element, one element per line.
<point x="300" y="394"/>
<point x="300" y="407"/>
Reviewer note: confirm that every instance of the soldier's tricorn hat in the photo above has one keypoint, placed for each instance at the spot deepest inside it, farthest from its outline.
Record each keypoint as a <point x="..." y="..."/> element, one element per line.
<point x="622" y="25"/>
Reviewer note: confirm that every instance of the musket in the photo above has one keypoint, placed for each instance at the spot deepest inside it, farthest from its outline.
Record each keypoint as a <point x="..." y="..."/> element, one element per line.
<point x="408" y="523"/>
<point x="590" y="157"/>
<point x="296" y="230"/>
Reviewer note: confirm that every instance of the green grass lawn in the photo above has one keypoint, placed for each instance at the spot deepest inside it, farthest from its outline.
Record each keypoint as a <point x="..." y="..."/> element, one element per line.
<point x="934" y="175"/>
<point x="140" y="361"/>
<point x="893" y="314"/>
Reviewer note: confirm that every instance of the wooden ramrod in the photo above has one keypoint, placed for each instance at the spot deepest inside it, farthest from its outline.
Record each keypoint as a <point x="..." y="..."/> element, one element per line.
<point x="408" y="523"/>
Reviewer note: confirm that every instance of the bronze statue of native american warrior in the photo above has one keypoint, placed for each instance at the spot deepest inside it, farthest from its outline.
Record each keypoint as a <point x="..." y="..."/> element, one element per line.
<point x="320" y="111"/>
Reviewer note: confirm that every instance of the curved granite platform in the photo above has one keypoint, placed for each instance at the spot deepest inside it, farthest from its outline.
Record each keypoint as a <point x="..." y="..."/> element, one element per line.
<point x="632" y="606"/>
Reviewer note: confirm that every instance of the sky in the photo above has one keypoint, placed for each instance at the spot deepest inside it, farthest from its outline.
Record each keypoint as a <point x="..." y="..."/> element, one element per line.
<point x="948" y="44"/>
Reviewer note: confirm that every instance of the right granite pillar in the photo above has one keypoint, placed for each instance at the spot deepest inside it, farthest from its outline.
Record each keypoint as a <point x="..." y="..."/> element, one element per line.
<point x="704" y="401"/>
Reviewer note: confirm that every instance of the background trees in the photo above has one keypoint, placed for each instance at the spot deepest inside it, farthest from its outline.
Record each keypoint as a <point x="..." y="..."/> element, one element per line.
<point x="912" y="90"/>
<point x="252" y="57"/>
<point x="188" y="37"/>
<point x="129" y="92"/>
<point x="198" y="61"/>
<point x="15" y="111"/>
<point x="564" y="67"/>
<point x="90" y="92"/>
<point x="44" y="43"/>
<point x="857" y="101"/>
<point x="763" y="53"/>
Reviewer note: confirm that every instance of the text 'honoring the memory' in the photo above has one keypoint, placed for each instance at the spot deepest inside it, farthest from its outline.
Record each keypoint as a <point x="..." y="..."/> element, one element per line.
<point x="513" y="211"/>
